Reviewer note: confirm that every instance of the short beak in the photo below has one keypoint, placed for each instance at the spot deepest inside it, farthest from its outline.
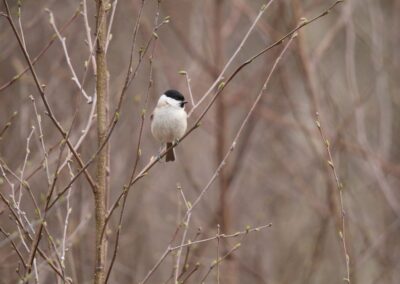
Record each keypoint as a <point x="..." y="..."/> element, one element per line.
<point x="184" y="102"/>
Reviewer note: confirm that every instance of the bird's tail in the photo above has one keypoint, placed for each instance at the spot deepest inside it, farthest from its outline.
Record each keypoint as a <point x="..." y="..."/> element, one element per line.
<point x="170" y="156"/>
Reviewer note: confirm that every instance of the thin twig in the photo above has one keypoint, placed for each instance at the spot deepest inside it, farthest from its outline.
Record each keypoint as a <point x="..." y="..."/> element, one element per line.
<point x="339" y="187"/>
<point x="185" y="262"/>
<point x="218" y="248"/>
<point x="187" y="204"/>
<point x="84" y="132"/>
<point x="21" y="178"/>
<point x="20" y="225"/>
<point x="109" y="35"/>
<point x="41" y="139"/>
<point x="179" y="253"/>
<point x="195" y="268"/>
<point x="19" y="14"/>
<point x="164" y="255"/>
<point x="7" y="235"/>
<point x="224" y="236"/>
<point x="69" y="210"/>
<point x="217" y="261"/>
<point x="89" y="37"/>
<point x="185" y="73"/>
<point x="71" y="68"/>
<point x="8" y="124"/>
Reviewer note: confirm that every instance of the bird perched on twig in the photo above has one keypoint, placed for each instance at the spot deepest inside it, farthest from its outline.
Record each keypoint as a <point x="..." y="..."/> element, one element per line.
<point x="169" y="120"/>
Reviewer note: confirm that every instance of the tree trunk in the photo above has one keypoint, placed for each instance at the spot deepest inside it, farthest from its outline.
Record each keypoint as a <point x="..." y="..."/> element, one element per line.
<point x="102" y="124"/>
<point x="228" y="270"/>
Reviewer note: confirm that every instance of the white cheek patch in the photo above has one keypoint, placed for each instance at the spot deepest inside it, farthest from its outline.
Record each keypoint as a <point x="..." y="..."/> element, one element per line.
<point x="163" y="101"/>
<point x="170" y="101"/>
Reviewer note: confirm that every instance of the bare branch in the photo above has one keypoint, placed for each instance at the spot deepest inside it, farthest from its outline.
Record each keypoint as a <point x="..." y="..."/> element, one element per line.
<point x="71" y="68"/>
<point x="339" y="187"/>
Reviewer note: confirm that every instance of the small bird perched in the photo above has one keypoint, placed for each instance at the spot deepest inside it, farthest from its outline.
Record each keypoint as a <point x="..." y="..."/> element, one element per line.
<point x="169" y="120"/>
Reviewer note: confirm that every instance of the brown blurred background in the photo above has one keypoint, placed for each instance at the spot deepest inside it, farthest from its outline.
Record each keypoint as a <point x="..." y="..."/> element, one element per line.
<point x="345" y="66"/>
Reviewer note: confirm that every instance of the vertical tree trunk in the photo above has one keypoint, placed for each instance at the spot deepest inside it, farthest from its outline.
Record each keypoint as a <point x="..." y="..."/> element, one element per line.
<point x="102" y="124"/>
<point x="228" y="270"/>
<point x="223" y="218"/>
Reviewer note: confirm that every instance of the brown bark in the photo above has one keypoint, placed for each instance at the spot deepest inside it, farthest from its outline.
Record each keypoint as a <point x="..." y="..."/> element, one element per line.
<point x="102" y="124"/>
<point x="228" y="274"/>
<point x="221" y="123"/>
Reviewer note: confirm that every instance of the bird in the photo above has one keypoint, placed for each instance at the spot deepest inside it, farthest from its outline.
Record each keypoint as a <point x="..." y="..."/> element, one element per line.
<point x="169" y="120"/>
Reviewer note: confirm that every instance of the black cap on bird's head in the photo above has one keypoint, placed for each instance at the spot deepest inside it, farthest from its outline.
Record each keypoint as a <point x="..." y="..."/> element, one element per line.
<point x="174" y="94"/>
